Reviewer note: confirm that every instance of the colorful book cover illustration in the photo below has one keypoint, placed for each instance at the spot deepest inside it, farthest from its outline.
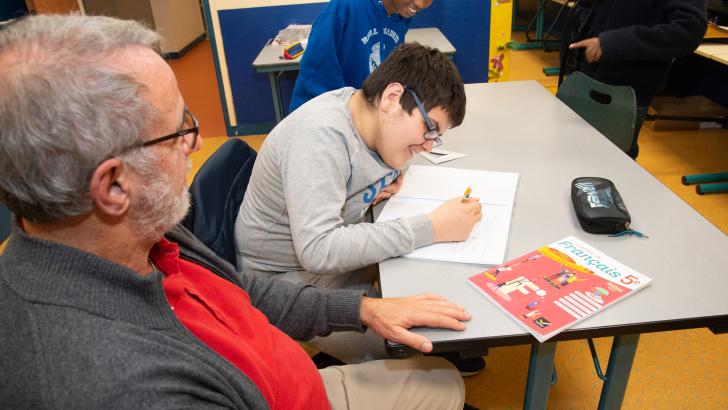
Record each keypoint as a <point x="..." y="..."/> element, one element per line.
<point x="557" y="285"/>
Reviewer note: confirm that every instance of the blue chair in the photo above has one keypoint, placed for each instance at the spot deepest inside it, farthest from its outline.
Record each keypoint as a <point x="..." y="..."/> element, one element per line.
<point x="217" y="192"/>
<point x="4" y="222"/>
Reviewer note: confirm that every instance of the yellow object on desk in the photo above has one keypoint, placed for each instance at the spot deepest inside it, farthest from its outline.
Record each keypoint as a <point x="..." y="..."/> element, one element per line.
<point x="467" y="192"/>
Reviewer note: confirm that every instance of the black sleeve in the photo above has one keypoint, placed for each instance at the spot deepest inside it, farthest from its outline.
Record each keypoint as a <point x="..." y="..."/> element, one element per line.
<point x="677" y="35"/>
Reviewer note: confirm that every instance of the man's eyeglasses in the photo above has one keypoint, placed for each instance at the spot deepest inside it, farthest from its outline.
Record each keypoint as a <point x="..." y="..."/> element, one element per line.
<point x="431" y="134"/>
<point x="189" y="132"/>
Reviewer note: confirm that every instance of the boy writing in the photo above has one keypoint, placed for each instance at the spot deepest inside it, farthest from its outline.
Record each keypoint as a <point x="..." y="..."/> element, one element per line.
<point x="323" y="166"/>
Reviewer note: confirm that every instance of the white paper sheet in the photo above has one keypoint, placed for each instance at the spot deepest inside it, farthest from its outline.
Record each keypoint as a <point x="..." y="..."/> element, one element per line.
<point x="439" y="155"/>
<point x="427" y="182"/>
<point x="426" y="188"/>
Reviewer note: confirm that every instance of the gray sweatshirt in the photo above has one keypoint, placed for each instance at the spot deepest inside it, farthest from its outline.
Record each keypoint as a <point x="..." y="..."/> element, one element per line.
<point x="312" y="183"/>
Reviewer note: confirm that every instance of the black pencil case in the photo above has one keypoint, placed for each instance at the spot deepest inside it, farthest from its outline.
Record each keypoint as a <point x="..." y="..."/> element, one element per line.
<point x="598" y="206"/>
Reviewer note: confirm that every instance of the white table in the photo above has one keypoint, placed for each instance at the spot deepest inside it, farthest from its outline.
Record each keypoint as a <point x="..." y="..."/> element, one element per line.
<point x="716" y="52"/>
<point x="270" y="59"/>
<point x="521" y="127"/>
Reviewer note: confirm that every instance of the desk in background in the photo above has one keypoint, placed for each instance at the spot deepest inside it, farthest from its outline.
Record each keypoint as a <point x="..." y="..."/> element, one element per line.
<point x="712" y="68"/>
<point x="269" y="60"/>
<point x="237" y="30"/>
<point x="708" y="183"/>
<point x="715" y="52"/>
<point x="541" y="39"/>
<point x="685" y="255"/>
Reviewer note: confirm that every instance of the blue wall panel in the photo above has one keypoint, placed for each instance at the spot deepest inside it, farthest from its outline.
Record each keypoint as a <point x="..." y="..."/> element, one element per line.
<point x="244" y="32"/>
<point x="464" y="22"/>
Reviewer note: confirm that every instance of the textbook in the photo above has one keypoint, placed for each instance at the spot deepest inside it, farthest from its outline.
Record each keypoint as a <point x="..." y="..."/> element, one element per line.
<point x="427" y="187"/>
<point x="557" y="285"/>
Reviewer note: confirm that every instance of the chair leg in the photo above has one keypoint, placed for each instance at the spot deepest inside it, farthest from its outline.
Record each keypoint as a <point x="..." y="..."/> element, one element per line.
<point x="702" y="178"/>
<point x="323" y="360"/>
<point x="708" y="183"/>
<point x="711" y="188"/>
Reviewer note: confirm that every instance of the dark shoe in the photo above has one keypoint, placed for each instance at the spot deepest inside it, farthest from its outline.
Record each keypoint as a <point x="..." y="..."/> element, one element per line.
<point x="470" y="366"/>
<point x="323" y="360"/>
<point x="466" y="406"/>
<point x="466" y="366"/>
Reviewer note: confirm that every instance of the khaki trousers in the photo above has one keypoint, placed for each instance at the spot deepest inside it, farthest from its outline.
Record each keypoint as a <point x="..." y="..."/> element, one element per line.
<point x="423" y="382"/>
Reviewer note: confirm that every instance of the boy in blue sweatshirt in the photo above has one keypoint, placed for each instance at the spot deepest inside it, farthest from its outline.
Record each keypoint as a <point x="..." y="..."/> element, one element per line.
<point x="348" y="40"/>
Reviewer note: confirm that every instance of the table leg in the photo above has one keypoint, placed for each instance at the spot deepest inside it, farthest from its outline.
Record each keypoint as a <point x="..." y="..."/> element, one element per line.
<point x="276" y="89"/>
<point x="620" y="365"/>
<point x="537" y="43"/>
<point x="540" y="368"/>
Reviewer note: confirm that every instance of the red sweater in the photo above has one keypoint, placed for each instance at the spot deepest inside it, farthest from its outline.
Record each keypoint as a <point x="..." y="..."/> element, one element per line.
<point x="220" y="314"/>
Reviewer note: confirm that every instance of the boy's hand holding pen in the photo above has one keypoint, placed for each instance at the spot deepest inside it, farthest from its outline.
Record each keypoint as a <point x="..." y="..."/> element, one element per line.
<point x="454" y="220"/>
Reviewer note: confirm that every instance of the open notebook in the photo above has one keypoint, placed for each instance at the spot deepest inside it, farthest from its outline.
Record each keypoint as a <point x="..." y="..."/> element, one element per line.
<point x="427" y="187"/>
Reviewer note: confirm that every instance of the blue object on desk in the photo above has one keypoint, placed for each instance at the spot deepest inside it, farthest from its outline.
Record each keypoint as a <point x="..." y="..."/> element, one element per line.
<point x="293" y="51"/>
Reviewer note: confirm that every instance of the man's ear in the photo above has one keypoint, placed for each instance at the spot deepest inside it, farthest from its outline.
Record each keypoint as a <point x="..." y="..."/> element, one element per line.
<point x="110" y="188"/>
<point x="390" y="97"/>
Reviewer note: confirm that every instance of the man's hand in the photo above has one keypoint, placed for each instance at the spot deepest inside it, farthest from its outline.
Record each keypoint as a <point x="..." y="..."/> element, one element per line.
<point x="390" y="190"/>
<point x="392" y="317"/>
<point x="592" y="48"/>
<point x="454" y="220"/>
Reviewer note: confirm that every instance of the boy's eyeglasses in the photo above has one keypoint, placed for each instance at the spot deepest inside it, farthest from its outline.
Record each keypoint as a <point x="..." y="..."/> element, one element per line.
<point x="431" y="134"/>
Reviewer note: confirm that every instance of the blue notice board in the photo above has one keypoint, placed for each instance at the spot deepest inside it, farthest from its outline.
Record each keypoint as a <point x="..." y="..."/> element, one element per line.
<point x="239" y="29"/>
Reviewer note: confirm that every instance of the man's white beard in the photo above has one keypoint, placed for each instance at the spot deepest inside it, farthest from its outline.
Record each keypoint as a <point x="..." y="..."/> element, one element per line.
<point x="158" y="208"/>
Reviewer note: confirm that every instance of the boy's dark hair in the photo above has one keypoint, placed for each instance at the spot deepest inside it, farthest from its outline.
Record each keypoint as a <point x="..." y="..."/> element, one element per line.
<point x="427" y="72"/>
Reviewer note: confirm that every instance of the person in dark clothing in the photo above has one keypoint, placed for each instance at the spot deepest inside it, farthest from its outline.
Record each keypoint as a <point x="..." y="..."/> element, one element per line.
<point x="634" y="43"/>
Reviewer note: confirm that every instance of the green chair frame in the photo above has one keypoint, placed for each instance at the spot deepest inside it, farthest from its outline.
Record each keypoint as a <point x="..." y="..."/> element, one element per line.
<point x="708" y="183"/>
<point x="611" y="109"/>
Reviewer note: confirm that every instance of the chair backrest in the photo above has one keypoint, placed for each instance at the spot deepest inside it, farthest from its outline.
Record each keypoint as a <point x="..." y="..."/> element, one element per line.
<point x="217" y="192"/>
<point x="611" y="109"/>
<point x="4" y="222"/>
